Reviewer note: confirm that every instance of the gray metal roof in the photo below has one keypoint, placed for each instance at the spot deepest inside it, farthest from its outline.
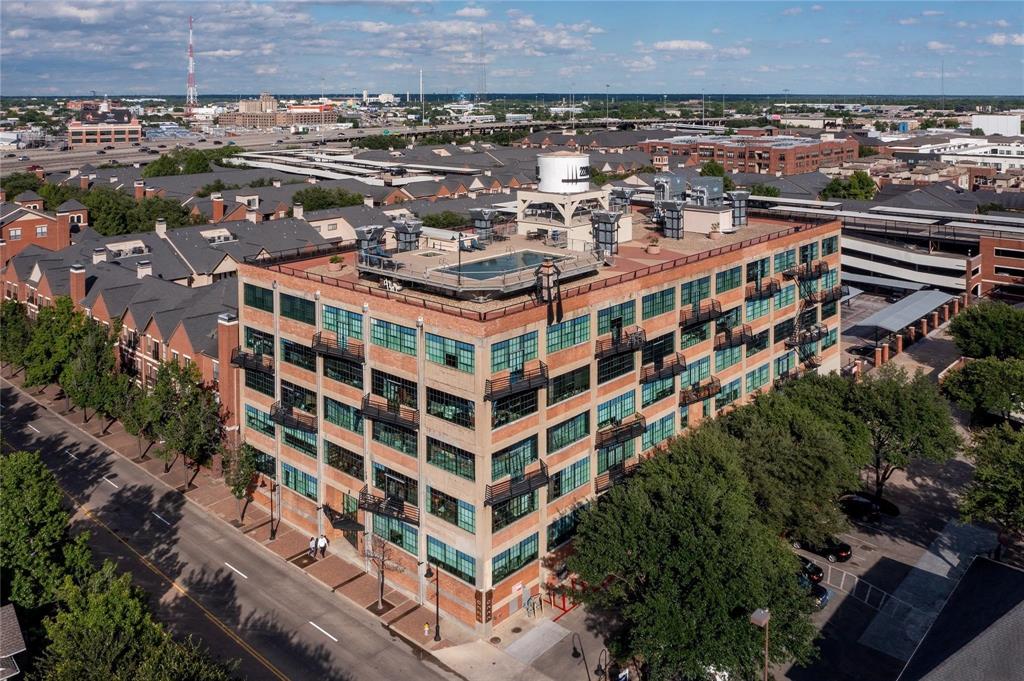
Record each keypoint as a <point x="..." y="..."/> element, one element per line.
<point x="884" y="282"/>
<point x="905" y="312"/>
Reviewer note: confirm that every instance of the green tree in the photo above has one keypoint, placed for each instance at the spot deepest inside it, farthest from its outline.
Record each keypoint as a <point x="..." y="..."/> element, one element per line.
<point x="87" y="377"/>
<point x="36" y="552"/>
<point x="318" y="198"/>
<point x="907" y="420"/>
<point x="716" y="169"/>
<point x="139" y="413"/>
<point x="54" y="342"/>
<point x="102" y="631"/>
<point x="163" y="166"/>
<point x="989" y="329"/>
<point x="380" y="142"/>
<point x="764" y="190"/>
<point x="996" y="494"/>
<point x="858" y="186"/>
<point x="186" y="661"/>
<point x="16" y="183"/>
<point x="445" y="220"/>
<point x="239" y="466"/>
<point x="56" y="194"/>
<point x="15" y="333"/>
<point x="987" y="386"/>
<point x="863" y="151"/>
<point x="678" y="554"/>
<point x="190" y="421"/>
<point x="108" y="210"/>
<point x="977" y="132"/>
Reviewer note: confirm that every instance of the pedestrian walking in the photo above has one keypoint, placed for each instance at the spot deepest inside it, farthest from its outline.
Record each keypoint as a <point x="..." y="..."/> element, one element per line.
<point x="312" y="548"/>
<point x="322" y="545"/>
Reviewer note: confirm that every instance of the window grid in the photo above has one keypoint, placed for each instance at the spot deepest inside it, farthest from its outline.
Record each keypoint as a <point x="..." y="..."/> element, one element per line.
<point x="393" y="388"/>
<point x="298" y="355"/>
<point x="451" y="510"/>
<point x="569" y="431"/>
<point x="758" y="377"/>
<point x="611" y="456"/>
<point x="730" y="393"/>
<point x="656" y="391"/>
<point x="259" y="420"/>
<point x="393" y="336"/>
<point x="300" y="440"/>
<point x="657" y="432"/>
<point x="785" y="297"/>
<point x="260" y="342"/>
<point x="513" y="459"/>
<point x="654" y="304"/>
<point x="451" y="560"/>
<point x="785" y="260"/>
<point x="259" y="297"/>
<point x="783" y="330"/>
<point x="344" y="371"/>
<point x="513" y="558"/>
<point x="265" y="463"/>
<point x="395" y="484"/>
<point x="450" y="353"/>
<point x="569" y="478"/>
<point x="829" y="309"/>
<point x="758" y="270"/>
<point x="758" y="343"/>
<point x="830" y="339"/>
<point x="260" y="382"/>
<point x="507" y="512"/>
<point x="615" y="366"/>
<point x="656" y="348"/>
<point x="693" y="336"/>
<point x="451" y="458"/>
<point x="728" y="357"/>
<point x="343" y="323"/>
<point x="396" y="437"/>
<point x="394" y="531"/>
<point x="343" y="415"/>
<point x="625" y="311"/>
<point x="616" y="409"/>
<point x="809" y="252"/>
<point x="298" y="481"/>
<point x="568" y="385"/>
<point x="457" y="410"/>
<point x="343" y="460"/>
<point x="299" y="309"/>
<point x="568" y="333"/>
<point x="563" y="529"/>
<point x="696" y="372"/>
<point x="692" y="292"/>
<point x="512" y="352"/>
<point x="729" y="279"/>
<point x="505" y="410"/>
<point x="758" y="308"/>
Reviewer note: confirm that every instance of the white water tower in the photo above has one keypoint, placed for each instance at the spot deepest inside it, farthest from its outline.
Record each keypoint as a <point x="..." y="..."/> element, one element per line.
<point x="563" y="172"/>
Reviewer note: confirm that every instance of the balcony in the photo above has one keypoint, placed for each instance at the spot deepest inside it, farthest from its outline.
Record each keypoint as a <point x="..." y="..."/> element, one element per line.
<point x="516" y="486"/>
<point x="700" y="313"/>
<point x="812" y="334"/>
<point x="340" y="348"/>
<point x="811" y="361"/>
<point x="393" y="507"/>
<point x="808" y="270"/>
<point x="830" y="295"/>
<point x="621" y="430"/>
<point x="377" y="408"/>
<point x="706" y="389"/>
<point x="790" y="375"/>
<point x="629" y="340"/>
<point x="244" y="359"/>
<point x="520" y="381"/>
<point x="289" y="416"/>
<point x="665" y="367"/>
<point x="614" y="475"/>
<point x="730" y="338"/>
<point x="766" y="288"/>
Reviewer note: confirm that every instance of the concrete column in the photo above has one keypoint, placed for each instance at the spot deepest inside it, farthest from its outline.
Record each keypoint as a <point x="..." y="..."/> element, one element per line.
<point x="935" y="319"/>
<point x="885" y="353"/>
<point x="899" y="343"/>
<point x="911" y="334"/>
<point x="945" y="313"/>
<point x="956" y="306"/>
<point x="878" y="356"/>
<point x="924" y="328"/>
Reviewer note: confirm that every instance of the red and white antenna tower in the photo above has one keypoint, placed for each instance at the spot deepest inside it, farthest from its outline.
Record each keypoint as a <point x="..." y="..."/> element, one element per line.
<point x="191" y="93"/>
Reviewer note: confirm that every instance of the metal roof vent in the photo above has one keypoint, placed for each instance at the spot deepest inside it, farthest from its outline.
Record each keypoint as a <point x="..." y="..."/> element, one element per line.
<point x="368" y="237"/>
<point x="672" y="218"/>
<point x="620" y="199"/>
<point x="739" y="208"/>
<point x="604" y="225"/>
<point x="407" y="232"/>
<point x="708" y="191"/>
<point x="483" y="223"/>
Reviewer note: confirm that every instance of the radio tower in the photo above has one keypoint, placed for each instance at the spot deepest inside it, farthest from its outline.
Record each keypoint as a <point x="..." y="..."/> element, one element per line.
<point x="191" y="93"/>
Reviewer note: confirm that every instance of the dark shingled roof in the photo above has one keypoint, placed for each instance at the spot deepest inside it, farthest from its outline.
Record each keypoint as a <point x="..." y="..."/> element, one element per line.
<point x="27" y="195"/>
<point x="69" y="205"/>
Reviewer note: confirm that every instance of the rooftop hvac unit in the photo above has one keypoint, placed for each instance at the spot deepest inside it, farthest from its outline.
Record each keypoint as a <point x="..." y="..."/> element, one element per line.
<point x="672" y="218"/>
<point x="620" y="199"/>
<point x="483" y="223"/>
<point x="368" y="237"/>
<point x="708" y="191"/>
<point x="604" y="225"/>
<point x="739" y="208"/>
<point x="407" y="232"/>
<point x="669" y="188"/>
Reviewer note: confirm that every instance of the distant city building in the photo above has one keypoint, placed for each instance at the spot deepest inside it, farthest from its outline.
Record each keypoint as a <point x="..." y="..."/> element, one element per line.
<point x="774" y="155"/>
<point x="97" y="128"/>
<point x="1003" y="124"/>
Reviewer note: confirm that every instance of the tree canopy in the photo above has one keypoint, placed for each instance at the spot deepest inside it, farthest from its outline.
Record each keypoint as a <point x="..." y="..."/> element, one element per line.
<point x="89" y="376"/>
<point x="716" y="169"/>
<point x="858" y="186"/>
<point x="764" y="190"/>
<point x="16" y="183"/>
<point x="189" y="419"/>
<point x="54" y="341"/>
<point x="988" y="386"/>
<point x="15" y="332"/>
<point x="188" y="161"/>
<point x="445" y="220"/>
<point x="113" y="212"/>
<point x="989" y="329"/>
<point x="319" y="198"/>
<point x="997" y="492"/>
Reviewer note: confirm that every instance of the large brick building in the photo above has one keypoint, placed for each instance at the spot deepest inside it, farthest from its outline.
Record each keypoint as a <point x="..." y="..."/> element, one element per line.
<point x="451" y="411"/>
<point x="95" y="128"/>
<point x="766" y="155"/>
<point x="25" y="222"/>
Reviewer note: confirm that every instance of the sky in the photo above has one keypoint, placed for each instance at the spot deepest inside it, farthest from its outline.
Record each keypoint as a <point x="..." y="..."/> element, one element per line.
<point x="303" y="46"/>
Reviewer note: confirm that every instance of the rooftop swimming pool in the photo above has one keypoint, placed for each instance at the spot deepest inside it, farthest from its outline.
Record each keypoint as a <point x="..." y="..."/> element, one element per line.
<point x="499" y="265"/>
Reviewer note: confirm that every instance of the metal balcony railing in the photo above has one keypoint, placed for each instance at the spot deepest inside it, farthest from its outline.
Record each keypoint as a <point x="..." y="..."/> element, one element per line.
<point x="731" y="337"/>
<point x="789" y="375"/>
<point x="393" y="507"/>
<point x="516" y="486"/>
<point x="377" y="408"/>
<point x="288" y="415"/>
<point x="614" y="475"/>
<point x="621" y="430"/>
<point x="700" y="313"/>
<point x="808" y="270"/>
<point x="766" y="288"/>
<point x="830" y="295"/>
<point x="811" y="334"/>
<point x="245" y="359"/>
<point x="811" y="361"/>
<point x="670" y="365"/>
<point x="709" y="387"/>
<point x="629" y="340"/>
<point x="526" y="379"/>
<point x="340" y="348"/>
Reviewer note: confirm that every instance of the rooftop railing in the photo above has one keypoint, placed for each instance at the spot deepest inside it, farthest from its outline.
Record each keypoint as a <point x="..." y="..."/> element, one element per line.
<point x="629" y="340"/>
<point x="665" y="367"/>
<point x="700" y="313"/>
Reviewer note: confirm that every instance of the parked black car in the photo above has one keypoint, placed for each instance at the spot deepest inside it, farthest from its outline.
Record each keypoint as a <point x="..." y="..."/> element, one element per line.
<point x="811" y="571"/>
<point x="820" y="594"/>
<point x="833" y="550"/>
<point x="860" y="507"/>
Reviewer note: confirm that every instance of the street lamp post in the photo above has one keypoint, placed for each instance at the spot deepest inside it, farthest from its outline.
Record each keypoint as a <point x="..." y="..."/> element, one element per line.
<point x="602" y="670"/>
<point x="577" y="653"/>
<point x="760" y="618"/>
<point x="436" y="576"/>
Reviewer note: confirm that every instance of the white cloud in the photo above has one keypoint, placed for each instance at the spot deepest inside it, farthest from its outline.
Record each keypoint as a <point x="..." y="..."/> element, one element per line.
<point x="932" y="13"/>
<point x="716" y="30"/>
<point x="816" y="8"/>
<point x="1001" y="39"/>
<point x="18" y="33"/>
<point x="698" y="73"/>
<point x="265" y="70"/>
<point x="963" y="24"/>
<point x="792" y="11"/>
<point x="734" y="52"/>
<point x="476" y="12"/>
<point x="646" y="63"/>
<point x="368" y="26"/>
<point x="936" y="46"/>
<point x="221" y="54"/>
<point x="682" y="45"/>
<point x="856" y="55"/>
<point x="824" y="41"/>
<point x="1001" y="23"/>
<point x="909" y="21"/>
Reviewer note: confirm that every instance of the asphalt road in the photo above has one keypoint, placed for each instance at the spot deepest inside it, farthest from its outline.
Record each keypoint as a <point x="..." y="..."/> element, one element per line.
<point x="203" y="576"/>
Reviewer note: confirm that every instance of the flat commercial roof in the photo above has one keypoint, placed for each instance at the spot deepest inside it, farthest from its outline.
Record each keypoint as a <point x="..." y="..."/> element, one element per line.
<point x="882" y="281"/>
<point x="905" y="312"/>
<point x="852" y="214"/>
<point x="994" y="219"/>
<point x="810" y="203"/>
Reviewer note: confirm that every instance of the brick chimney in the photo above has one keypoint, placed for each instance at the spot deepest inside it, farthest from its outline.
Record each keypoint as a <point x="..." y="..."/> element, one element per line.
<point x="227" y="341"/>
<point x="297" y="210"/>
<point x="144" y="269"/>
<point x="218" y="206"/>
<point x="77" y="285"/>
<point x="83" y="182"/>
<point x="150" y="192"/>
<point x="252" y="216"/>
<point x="3" y="252"/>
<point x="140" y="190"/>
<point x="161" y="228"/>
<point x="276" y="183"/>
<point x="99" y="255"/>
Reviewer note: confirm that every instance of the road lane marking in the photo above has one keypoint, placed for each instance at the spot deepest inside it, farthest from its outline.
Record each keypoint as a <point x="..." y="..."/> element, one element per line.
<point x="111" y="483"/>
<point x="323" y="632"/>
<point x="244" y="576"/>
<point x="32" y="427"/>
<point x="162" y="519"/>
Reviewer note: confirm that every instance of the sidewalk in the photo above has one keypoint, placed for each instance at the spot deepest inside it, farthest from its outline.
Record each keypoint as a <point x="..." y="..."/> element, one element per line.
<point x="403" y="617"/>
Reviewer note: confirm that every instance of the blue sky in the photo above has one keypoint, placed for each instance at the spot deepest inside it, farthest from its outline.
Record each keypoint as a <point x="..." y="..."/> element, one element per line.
<point x="138" y="46"/>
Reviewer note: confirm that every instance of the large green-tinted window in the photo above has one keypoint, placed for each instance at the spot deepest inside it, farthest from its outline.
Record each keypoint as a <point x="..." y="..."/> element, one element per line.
<point x="458" y="410"/>
<point x="513" y="558"/>
<point x="692" y="292"/>
<point x="513" y="352"/>
<point x="451" y="560"/>
<point x="259" y="420"/>
<point x="783" y="330"/>
<point x="260" y="382"/>
<point x="758" y="308"/>
<point x="830" y="339"/>
<point x="568" y="385"/>
<point x="758" y="270"/>
<point x="343" y="415"/>
<point x="396" y="437"/>
<point x="265" y="463"/>
<point x="730" y="393"/>
<point x="450" y="353"/>
<point x="693" y="335"/>
<point x="395" y="484"/>
<point x="696" y="371"/>
<point x="568" y="431"/>
<point x="393" y="336"/>
<point x="829" y="245"/>
<point x="829" y="309"/>
<point x="656" y="390"/>
<point x="726" y="358"/>
<point x="260" y="342"/>
<point x="785" y="297"/>
<point x="785" y="260"/>
<point x="507" y="512"/>
<point x="829" y="279"/>
<point x="569" y="478"/>
<point x="625" y="313"/>
<point x="658" y="431"/>
<point x="809" y="252"/>
<point x="513" y="459"/>
<point x="654" y="304"/>
<point x="784" y="364"/>
<point x="298" y="396"/>
<point x="294" y="479"/>
<point x="393" y="388"/>
<point x="451" y="510"/>
<point x="505" y="410"/>
<point x="258" y="297"/>
<point x="656" y="348"/>
<point x="758" y="377"/>
<point x="344" y="371"/>
<point x="299" y="309"/>
<point x="612" y="456"/>
<point x="616" y="409"/>
<point x="342" y="322"/>
<point x="298" y="355"/>
<point x="393" y="530"/>
<point x="759" y="342"/>
<point x="615" y="366"/>
<point x="344" y="460"/>
<point x="451" y="458"/>
<point x="299" y="439"/>
<point x="729" y="279"/>
<point x="568" y="333"/>
<point x="563" y="529"/>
